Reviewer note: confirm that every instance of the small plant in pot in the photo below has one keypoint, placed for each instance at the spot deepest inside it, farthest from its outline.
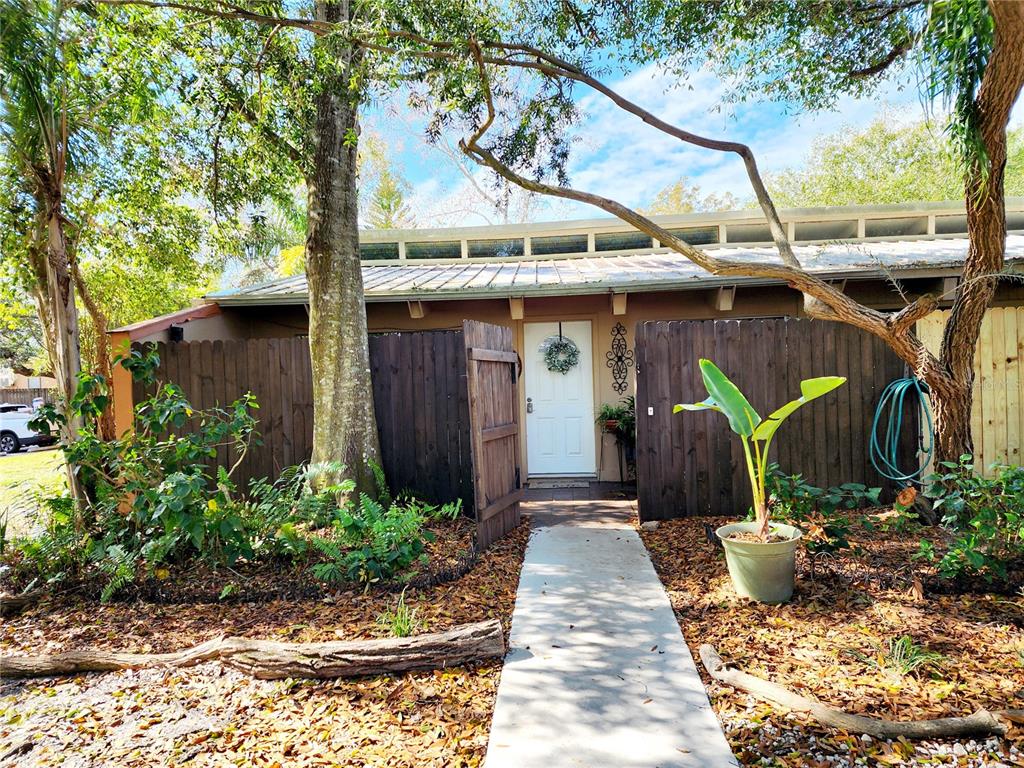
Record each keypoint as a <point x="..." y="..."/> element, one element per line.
<point x="760" y="555"/>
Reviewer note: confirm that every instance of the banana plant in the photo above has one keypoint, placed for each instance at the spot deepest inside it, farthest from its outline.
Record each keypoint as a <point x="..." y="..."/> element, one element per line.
<point x="756" y="433"/>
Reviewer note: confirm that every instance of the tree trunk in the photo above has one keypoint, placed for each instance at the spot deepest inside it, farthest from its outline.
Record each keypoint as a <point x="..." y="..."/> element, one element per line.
<point x="271" y="660"/>
<point x="951" y="415"/>
<point x="101" y="344"/>
<point x="986" y="227"/>
<point x="66" y="353"/>
<point x="344" y="423"/>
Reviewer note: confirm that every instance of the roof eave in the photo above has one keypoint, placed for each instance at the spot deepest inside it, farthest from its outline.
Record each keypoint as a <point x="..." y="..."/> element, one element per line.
<point x="597" y="288"/>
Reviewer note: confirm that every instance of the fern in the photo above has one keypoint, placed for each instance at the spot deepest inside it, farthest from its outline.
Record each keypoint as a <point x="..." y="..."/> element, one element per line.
<point x="119" y="566"/>
<point x="383" y="491"/>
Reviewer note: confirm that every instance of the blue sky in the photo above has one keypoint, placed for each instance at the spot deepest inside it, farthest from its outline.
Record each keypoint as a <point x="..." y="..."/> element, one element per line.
<point x="620" y="157"/>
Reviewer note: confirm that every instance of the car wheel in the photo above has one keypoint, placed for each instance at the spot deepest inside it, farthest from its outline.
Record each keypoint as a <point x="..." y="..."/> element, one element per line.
<point x="9" y="443"/>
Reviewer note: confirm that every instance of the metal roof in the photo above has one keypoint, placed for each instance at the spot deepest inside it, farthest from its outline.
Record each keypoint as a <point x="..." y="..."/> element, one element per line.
<point x="657" y="270"/>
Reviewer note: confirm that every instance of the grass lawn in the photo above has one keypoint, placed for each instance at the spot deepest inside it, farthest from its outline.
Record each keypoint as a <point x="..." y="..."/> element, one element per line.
<point x="22" y="474"/>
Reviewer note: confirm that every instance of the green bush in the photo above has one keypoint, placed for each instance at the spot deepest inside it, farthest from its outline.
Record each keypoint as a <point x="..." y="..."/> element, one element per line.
<point x="793" y="499"/>
<point x="986" y="516"/>
<point x="150" y="497"/>
<point x="371" y="543"/>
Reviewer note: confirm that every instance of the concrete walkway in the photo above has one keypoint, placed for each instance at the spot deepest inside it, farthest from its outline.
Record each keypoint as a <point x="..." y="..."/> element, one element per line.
<point x="598" y="673"/>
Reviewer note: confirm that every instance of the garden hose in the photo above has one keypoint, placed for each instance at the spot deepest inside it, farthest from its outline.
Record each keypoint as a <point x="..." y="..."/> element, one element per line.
<point x="891" y="407"/>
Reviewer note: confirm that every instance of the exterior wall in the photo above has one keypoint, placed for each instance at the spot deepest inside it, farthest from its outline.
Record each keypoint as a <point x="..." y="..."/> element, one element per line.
<point x="753" y="301"/>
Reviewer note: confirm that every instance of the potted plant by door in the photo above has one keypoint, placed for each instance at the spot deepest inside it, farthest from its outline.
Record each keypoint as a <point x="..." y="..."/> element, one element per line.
<point x="761" y="555"/>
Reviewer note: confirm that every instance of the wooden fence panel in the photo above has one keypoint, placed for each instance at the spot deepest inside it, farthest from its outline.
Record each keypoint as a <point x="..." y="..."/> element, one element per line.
<point x="419" y="391"/>
<point x="997" y="418"/>
<point x="691" y="464"/>
<point x="25" y="396"/>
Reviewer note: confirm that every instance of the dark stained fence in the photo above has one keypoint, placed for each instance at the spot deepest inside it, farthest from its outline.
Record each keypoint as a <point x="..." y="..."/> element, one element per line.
<point x="493" y="377"/>
<point x="25" y="396"/>
<point x="692" y="464"/>
<point x="420" y="399"/>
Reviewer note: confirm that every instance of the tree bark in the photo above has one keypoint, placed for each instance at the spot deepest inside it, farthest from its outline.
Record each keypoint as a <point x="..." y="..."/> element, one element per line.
<point x="271" y="660"/>
<point x="981" y="723"/>
<point x="101" y="342"/>
<point x="65" y="353"/>
<point x="344" y="422"/>
<point x="986" y="227"/>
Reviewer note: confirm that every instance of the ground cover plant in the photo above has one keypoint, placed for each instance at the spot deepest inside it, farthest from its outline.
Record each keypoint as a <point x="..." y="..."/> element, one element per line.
<point x="157" y="503"/>
<point x="870" y="629"/>
<point x="212" y="716"/>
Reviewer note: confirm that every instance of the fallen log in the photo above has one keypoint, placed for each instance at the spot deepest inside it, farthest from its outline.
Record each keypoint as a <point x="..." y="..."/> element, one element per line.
<point x="12" y="604"/>
<point x="272" y="660"/>
<point x="981" y="723"/>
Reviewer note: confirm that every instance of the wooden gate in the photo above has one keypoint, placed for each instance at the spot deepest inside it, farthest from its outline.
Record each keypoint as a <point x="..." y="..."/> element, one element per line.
<point x="492" y="370"/>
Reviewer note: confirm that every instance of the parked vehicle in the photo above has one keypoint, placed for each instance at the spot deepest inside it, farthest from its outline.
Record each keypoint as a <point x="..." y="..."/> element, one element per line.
<point x="15" y="432"/>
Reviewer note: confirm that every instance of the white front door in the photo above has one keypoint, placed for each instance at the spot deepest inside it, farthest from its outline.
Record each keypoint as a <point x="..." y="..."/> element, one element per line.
<point x="559" y="406"/>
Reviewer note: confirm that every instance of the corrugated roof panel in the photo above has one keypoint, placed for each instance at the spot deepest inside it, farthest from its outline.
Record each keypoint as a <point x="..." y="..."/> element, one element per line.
<point x="657" y="271"/>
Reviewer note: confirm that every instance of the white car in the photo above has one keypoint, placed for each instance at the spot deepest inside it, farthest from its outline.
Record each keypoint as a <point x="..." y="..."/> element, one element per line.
<point x="15" y="433"/>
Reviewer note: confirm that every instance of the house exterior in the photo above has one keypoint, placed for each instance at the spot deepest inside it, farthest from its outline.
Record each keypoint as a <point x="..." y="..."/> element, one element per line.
<point x="592" y="281"/>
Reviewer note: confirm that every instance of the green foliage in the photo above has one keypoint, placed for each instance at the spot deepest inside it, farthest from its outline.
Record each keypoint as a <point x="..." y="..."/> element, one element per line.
<point x="818" y="512"/>
<point x="403" y="621"/>
<point x="756" y="433"/>
<point x="388" y="206"/>
<point x="151" y="497"/>
<point x="985" y="516"/>
<point x="954" y="51"/>
<point x="372" y="543"/>
<point x="623" y="414"/>
<point x="683" y="197"/>
<point x="379" y="479"/>
<point x="899" y="657"/>
<point x="888" y="161"/>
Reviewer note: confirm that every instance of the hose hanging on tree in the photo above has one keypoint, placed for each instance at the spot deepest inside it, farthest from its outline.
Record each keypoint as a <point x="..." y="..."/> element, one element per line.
<point x="885" y="454"/>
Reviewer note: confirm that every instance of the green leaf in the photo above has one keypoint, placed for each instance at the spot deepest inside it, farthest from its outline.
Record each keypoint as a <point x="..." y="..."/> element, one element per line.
<point x="707" y="405"/>
<point x="729" y="400"/>
<point x="810" y="389"/>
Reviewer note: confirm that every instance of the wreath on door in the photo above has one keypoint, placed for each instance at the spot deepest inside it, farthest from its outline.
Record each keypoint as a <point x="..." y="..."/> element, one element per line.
<point x="560" y="354"/>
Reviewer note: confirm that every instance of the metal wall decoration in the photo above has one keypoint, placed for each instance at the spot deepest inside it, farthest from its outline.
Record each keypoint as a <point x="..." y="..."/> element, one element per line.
<point x="620" y="359"/>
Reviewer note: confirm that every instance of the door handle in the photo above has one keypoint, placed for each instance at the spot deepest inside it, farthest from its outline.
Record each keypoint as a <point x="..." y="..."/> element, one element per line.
<point x="529" y="405"/>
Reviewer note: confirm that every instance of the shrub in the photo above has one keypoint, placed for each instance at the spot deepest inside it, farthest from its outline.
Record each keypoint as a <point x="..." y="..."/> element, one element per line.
<point x="371" y="543"/>
<point x="818" y="511"/>
<point x="985" y="514"/>
<point x="150" y="497"/>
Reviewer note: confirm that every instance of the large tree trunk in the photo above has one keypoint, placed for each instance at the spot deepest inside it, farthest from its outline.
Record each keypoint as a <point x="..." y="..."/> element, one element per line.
<point x="101" y="348"/>
<point x="986" y="226"/>
<point x="344" y="423"/>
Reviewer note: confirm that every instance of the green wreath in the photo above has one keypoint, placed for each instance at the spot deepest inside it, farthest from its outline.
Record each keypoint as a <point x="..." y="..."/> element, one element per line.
<point x="561" y="355"/>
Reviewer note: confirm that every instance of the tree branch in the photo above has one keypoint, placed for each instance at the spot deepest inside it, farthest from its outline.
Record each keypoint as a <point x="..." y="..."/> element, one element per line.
<point x="234" y="13"/>
<point x="883" y="64"/>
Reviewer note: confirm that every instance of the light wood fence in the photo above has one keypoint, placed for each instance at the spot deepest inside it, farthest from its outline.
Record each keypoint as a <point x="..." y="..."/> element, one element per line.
<point x="997" y="419"/>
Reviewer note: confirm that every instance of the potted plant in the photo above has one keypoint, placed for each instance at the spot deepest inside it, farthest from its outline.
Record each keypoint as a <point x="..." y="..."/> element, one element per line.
<point x="760" y="555"/>
<point x="609" y="416"/>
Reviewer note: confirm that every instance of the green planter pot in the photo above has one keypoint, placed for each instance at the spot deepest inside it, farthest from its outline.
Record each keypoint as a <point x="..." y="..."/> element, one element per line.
<point x="762" y="572"/>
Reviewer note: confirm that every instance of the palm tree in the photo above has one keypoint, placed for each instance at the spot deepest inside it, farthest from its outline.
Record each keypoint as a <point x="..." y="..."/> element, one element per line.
<point x="43" y="117"/>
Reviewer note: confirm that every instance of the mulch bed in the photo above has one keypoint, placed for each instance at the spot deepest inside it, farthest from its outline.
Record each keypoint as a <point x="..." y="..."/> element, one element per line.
<point x="212" y="716"/>
<point x="853" y="601"/>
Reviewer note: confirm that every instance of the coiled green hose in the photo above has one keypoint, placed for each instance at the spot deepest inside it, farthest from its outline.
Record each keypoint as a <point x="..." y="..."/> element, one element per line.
<point x="885" y="454"/>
